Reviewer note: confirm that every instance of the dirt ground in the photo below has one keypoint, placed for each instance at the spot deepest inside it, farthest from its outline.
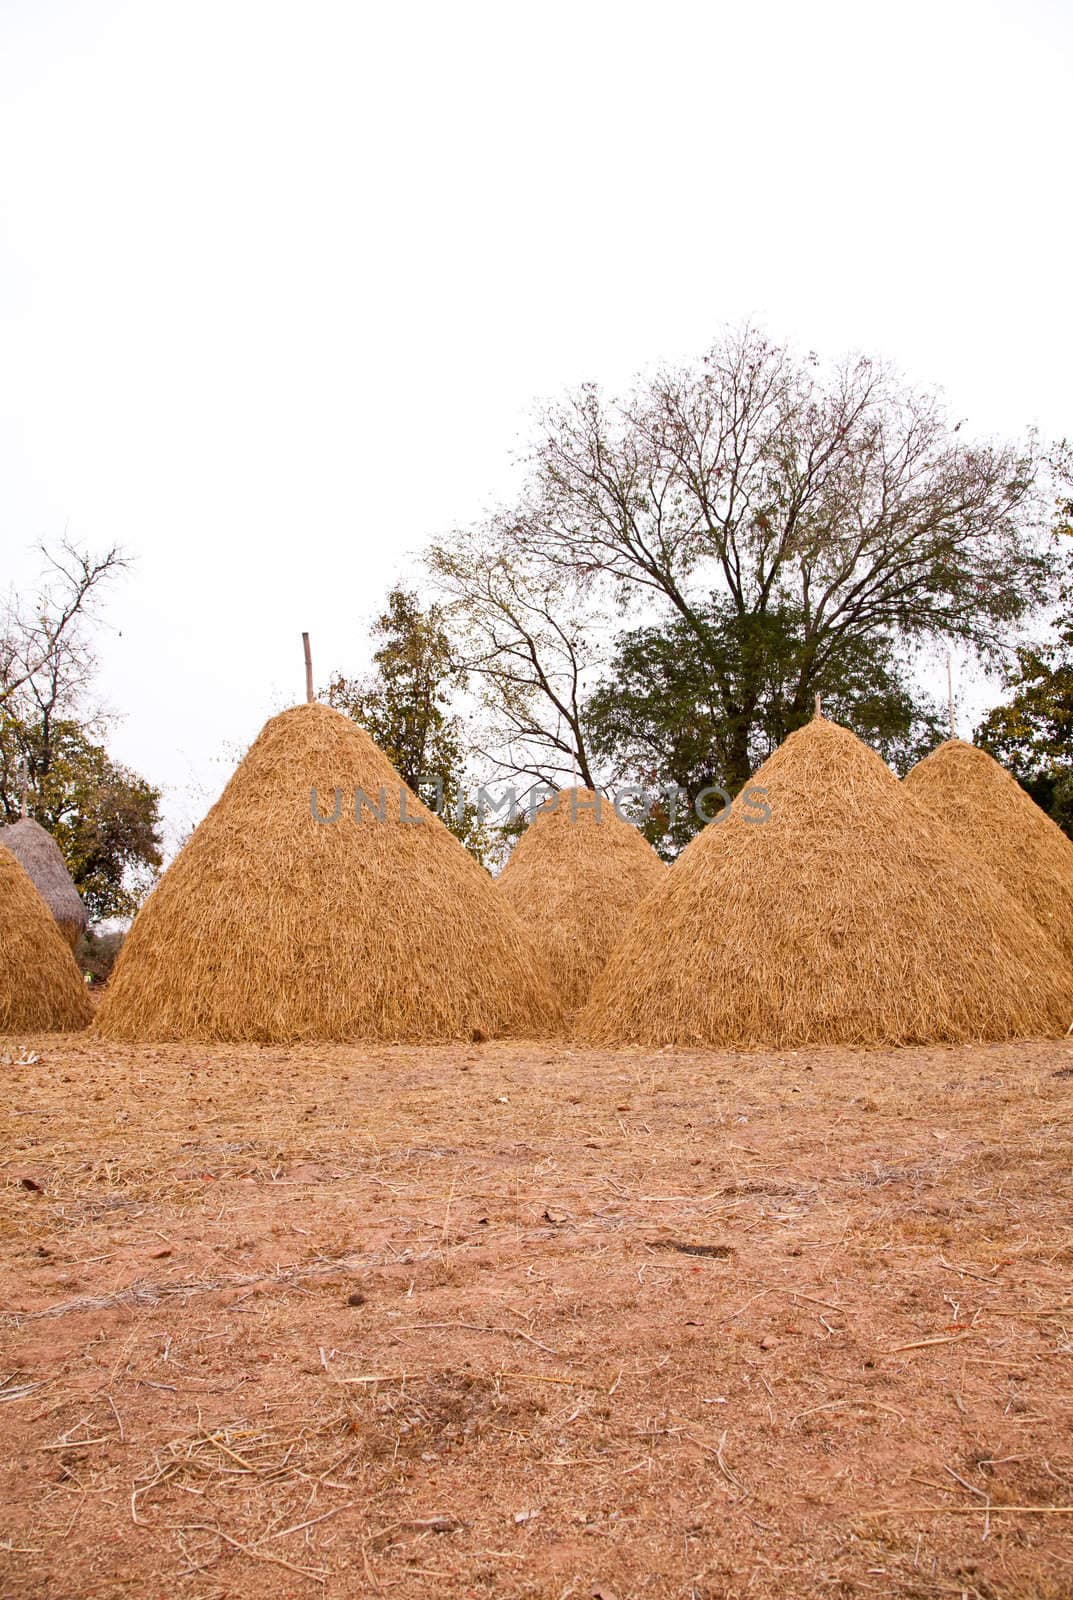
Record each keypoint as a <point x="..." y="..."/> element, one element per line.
<point x="527" y="1320"/>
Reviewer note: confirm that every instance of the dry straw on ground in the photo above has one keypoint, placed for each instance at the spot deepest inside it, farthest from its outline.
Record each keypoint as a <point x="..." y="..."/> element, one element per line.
<point x="40" y="987"/>
<point x="273" y="926"/>
<point x="40" y="857"/>
<point x="979" y="802"/>
<point x="851" y="916"/>
<point x="574" y="878"/>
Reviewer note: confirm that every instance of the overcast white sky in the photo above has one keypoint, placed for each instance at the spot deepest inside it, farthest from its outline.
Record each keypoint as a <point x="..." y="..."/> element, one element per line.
<point x="278" y="283"/>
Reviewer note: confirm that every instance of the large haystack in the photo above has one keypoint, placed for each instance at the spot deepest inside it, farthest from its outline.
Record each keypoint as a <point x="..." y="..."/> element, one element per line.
<point x="40" y="857"/>
<point x="850" y="917"/>
<point x="41" y="990"/>
<point x="273" y="926"/>
<point x="979" y="802"/>
<point x="575" y="877"/>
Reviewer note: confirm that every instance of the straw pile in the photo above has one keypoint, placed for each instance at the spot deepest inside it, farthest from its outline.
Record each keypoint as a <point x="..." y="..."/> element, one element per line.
<point x="272" y="926"/>
<point x="40" y="987"/>
<point x="575" y="877"/>
<point x="40" y="858"/>
<point x="979" y="802"/>
<point x="850" y="917"/>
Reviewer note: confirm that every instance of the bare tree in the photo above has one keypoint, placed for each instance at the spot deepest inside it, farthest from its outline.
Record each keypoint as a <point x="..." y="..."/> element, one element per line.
<point x="754" y="486"/>
<point x="42" y="638"/>
<point x="524" y="639"/>
<point x="47" y="661"/>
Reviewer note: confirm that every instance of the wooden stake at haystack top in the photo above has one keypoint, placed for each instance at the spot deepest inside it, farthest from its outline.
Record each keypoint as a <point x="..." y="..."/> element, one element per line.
<point x="309" y="669"/>
<point x="950" y="694"/>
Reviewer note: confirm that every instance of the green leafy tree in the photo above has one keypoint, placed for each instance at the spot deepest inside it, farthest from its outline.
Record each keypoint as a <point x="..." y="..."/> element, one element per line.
<point x="406" y="705"/>
<point x="105" y="819"/>
<point x="658" y="717"/>
<point x="1032" y="732"/>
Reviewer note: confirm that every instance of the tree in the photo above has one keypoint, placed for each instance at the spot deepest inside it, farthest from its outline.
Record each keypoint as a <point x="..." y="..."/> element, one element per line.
<point x="1032" y="733"/>
<point x="406" y="706"/>
<point x="655" y="719"/>
<point x="524" y="639"/>
<point x="46" y="635"/>
<point x="105" y="819"/>
<point x="755" y="491"/>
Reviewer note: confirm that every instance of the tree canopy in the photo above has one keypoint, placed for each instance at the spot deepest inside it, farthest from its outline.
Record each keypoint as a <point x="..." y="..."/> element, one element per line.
<point x="105" y="818"/>
<point x="1031" y="733"/>
<point x="728" y="540"/>
<point x="406" y="705"/>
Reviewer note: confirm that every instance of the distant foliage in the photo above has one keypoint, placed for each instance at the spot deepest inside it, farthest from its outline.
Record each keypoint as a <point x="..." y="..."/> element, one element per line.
<point x="406" y="705"/>
<point x="105" y="819"/>
<point x="658" y="711"/>
<point x="1032" y="732"/>
<point x="96" y="954"/>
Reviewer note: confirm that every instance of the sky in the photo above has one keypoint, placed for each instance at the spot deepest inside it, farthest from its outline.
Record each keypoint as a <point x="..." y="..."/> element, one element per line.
<point x="280" y="284"/>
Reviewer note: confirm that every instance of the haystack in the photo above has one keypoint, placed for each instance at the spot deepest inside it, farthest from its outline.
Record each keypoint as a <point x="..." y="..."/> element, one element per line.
<point x="39" y="855"/>
<point x="575" y="876"/>
<point x="273" y="926"/>
<point x="980" y="803"/>
<point x="41" y="990"/>
<point x="850" y="916"/>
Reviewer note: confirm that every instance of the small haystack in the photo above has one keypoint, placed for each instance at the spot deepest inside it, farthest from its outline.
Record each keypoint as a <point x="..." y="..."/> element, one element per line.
<point x="273" y="926"/>
<point x="39" y="855"/>
<point x="41" y="990"/>
<point x="849" y="917"/>
<point x="575" y="877"/>
<point x="983" y="806"/>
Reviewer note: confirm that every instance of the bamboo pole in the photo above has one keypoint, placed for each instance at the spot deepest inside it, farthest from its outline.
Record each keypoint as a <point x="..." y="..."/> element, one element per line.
<point x="950" y="694"/>
<point x="309" y="669"/>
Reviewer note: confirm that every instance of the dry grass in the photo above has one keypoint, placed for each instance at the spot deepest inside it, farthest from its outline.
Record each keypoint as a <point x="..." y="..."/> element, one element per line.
<point x="272" y="926"/>
<point x="851" y="916"/>
<point x="527" y="1321"/>
<point x="40" y="857"/>
<point x="982" y="805"/>
<point x="40" y="986"/>
<point x="575" y="877"/>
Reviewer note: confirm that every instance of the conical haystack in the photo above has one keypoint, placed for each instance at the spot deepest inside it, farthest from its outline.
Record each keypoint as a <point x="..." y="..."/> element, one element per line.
<point x="983" y="806"/>
<point x="273" y="926"/>
<point x="575" y="877"/>
<point x="40" y="858"/>
<point x="850" y="916"/>
<point x="41" y="990"/>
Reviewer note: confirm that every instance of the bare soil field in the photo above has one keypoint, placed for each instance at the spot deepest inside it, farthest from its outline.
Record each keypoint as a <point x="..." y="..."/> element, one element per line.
<point x="531" y="1320"/>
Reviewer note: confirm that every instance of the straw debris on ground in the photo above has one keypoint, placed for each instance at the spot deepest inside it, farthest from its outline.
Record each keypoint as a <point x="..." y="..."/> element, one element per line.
<point x="849" y="916"/>
<point x="515" y="1321"/>
<point x="41" y="859"/>
<point x="271" y="925"/>
<point x="574" y="877"/>
<point x="41" y="988"/>
<point x="979" y="802"/>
